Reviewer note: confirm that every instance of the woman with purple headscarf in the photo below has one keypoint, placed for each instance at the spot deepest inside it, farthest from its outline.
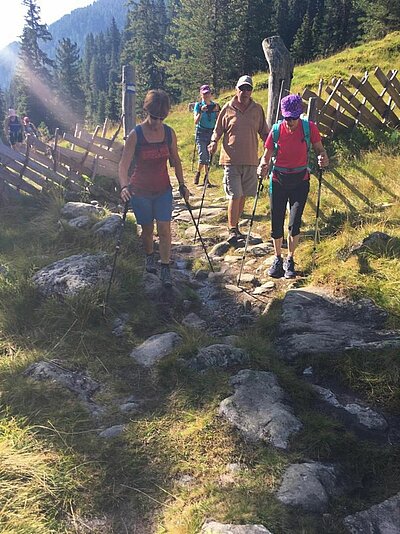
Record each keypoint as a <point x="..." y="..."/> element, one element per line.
<point x="290" y="178"/>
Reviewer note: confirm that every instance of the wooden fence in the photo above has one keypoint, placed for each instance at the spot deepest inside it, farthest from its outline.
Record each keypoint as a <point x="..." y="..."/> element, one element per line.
<point x="357" y="102"/>
<point x="72" y="166"/>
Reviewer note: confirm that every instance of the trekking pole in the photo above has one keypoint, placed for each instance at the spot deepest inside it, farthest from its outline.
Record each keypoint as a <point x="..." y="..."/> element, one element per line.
<point x="194" y="153"/>
<point x="278" y="110"/>
<point x="316" y="231"/>
<point x="197" y="231"/>
<point x="205" y="185"/>
<point x="117" y="247"/>
<point x="259" y="189"/>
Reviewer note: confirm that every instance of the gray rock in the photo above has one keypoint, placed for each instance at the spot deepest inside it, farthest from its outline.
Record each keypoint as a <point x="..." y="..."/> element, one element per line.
<point x="375" y="243"/>
<point x="108" y="227"/>
<point x="267" y="287"/>
<point x="248" y="278"/>
<point x="71" y="210"/>
<point x="217" y="356"/>
<point x="201" y="274"/>
<point x="129" y="407"/>
<point x="233" y="288"/>
<point x="382" y="518"/>
<point x="71" y="275"/>
<point x="258" y="409"/>
<point x="314" y="322"/>
<point x="232" y="340"/>
<point x="365" y="416"/>
<point x="310" y="485"/>
<point x="152" y="285"/>
<point x="155" y="348"/>
<point x="118" y="327"/>
<point x="76" y="381"/>
<point x="220" y="249"/>
<point x="84" y="221"/>
<point x="213" y="527"/>
<point x="112" y="432"/>
<point x="192" y="320"/>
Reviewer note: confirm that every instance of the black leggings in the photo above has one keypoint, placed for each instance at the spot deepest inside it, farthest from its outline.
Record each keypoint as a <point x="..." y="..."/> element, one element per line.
<point x="279" y="197"/>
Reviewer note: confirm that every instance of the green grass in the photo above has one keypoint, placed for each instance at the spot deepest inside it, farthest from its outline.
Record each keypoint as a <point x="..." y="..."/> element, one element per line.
<point x="56" y="467"/>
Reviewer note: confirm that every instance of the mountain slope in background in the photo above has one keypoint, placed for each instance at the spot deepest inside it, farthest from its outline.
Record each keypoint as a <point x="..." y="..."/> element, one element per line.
<point x="94" y="18"/>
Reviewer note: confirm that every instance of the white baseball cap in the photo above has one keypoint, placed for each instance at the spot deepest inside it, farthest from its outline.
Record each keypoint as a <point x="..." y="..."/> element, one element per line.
<point x="244" y="80"/>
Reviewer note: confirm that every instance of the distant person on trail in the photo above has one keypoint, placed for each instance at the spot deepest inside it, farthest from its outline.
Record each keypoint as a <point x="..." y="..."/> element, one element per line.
<point x="240" y="122"/>
<point x="13" y="129"/>
<point x="148" y="148"/>
<point x="288" y="145"/>
<point x="30" y="128"/>
<point x="205" y="116"/>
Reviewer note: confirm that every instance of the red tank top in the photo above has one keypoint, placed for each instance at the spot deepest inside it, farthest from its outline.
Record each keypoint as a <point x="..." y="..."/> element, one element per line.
<point x="150" y="174"/>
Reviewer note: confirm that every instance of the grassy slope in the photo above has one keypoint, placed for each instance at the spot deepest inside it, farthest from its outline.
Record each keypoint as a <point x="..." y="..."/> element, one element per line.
<point x="51" y="456"/>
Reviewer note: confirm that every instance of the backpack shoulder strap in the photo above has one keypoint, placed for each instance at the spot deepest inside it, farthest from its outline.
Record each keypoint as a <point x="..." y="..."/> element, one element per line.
<point x="306" y="129"/>
<point x="168" y="133"/>
<point x="276" y="130"/>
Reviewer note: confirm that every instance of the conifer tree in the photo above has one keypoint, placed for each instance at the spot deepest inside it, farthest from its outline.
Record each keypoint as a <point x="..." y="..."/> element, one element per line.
<point x="71" y="98"/>
<point x="33" y="81"/>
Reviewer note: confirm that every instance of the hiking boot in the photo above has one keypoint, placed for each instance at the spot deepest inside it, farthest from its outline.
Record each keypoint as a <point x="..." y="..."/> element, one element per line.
<point x="239" y="233"/>
<point x="276" y="269"/>
<point x="288" y="267"/>
<point x="150" y="264"/>
<point x="165" y="276"/>
<point x="196" y="178"/>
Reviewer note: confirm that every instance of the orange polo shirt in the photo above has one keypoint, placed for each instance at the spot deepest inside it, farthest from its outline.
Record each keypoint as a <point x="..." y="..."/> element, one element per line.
<point x="240" y="131"/>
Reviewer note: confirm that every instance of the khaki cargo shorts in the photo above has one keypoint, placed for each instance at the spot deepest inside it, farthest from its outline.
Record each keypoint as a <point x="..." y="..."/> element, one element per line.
<point x="240" y="181"/>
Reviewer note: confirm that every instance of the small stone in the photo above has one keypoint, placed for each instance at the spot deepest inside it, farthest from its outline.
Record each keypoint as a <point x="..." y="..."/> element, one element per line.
<point x="267" y="287"/>
<point x="155" y="348"/>
<point x="112" y="432"/>
<point x="219" y="249"/>
<point x="232" y="259"/>
<point x="248" y="278"/>
<point x="201" y="274"/>
<point x="83" y="221"/>
<point x="234" y="289"/>
<point x="129" y="407"/>
<point x="308" y="371"/>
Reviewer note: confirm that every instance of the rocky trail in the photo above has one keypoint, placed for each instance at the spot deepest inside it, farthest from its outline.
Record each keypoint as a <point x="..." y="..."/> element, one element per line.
<point x="313" y="321"/>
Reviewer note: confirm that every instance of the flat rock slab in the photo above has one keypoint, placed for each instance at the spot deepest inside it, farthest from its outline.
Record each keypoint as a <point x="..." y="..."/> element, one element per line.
<point x="258" y="409"/>
<point x="213" y="527"/>
<point x="155" y="348"/>
<point x="78" y="382"/>
<point x="310" y="485"/>
<point x="71" y="210"/>
<point x="382" y="518"/>
<point x="218" y="356"/>
<point x="314" y="322"/>
<point x="71" y="275"/>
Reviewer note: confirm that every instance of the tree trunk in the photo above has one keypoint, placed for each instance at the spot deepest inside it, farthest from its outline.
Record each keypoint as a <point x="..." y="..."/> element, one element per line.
<point x="281" y="67"/>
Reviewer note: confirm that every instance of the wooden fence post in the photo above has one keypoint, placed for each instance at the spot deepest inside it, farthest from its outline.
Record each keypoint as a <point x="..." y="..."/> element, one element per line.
<point x="312" y="109"/>
<point x="128" y="98"/>
<point x="281" y="67"/>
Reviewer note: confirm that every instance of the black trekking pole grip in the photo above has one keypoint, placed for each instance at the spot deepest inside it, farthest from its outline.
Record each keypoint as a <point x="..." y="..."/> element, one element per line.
<point x="117" y="248"/>
<point x="259" y="189"/>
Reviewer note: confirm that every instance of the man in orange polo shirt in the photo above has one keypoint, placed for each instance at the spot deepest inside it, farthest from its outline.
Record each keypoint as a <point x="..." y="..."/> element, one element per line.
<point x="240" y="122"/>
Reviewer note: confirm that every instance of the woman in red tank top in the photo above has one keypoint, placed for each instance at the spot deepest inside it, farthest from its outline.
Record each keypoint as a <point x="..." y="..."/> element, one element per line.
<point x="148" y="148"/>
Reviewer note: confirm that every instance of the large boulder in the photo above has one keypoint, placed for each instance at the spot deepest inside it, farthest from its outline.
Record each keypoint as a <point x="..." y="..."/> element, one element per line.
<point x="258" y="409"/>
<point x="310" y="485"/>
<point x="72" y="210"/>
<point x="108" y="227"/>
<point x="71" y="275"/>
<point x="382" y="518"/>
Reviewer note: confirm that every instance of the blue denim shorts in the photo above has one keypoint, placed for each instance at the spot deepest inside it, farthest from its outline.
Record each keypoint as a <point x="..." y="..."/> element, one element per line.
<point x="148" y="209"/>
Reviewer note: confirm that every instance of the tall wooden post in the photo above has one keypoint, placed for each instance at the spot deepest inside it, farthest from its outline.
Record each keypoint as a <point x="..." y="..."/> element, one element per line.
<point x="128" y="98"/>
<point x="281" y="67"/>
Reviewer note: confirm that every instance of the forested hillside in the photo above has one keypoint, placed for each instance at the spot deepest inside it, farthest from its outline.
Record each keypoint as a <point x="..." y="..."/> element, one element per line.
<point x="176" y="45"/>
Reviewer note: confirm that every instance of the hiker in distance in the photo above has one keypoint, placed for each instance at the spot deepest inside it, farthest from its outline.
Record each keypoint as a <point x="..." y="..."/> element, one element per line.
<point x="147" y="187"/>
<point x="30" y="128"/>
<point x="13" y="129"/>
<point x="240" y="122"/>
<point x="205" y="116"/>
<point x="288" y="145"/>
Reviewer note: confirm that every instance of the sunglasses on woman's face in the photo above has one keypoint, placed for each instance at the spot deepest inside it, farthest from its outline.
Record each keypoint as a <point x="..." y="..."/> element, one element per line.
<point x="291" y="119"/>
<point x="156" y="118"/>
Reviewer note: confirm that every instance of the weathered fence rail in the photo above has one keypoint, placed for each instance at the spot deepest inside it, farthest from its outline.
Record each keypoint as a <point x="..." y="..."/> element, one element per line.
<point x="42" y="165"/>
<point x="358" y="102"/>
